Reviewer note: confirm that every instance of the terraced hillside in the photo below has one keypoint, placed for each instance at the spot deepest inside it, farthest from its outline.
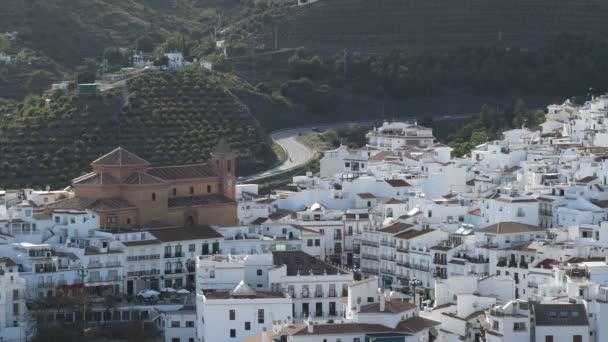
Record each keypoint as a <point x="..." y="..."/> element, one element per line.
<point x="378" y="26"/>
<point x="163" y="123"/>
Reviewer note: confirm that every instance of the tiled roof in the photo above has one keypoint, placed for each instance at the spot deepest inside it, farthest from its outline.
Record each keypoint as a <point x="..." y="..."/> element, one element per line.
<point x="516" y="199"/>
<point x="136" y="243"/>
<point x="338" y="329"/>
<point x="476" y="212"/>
<point x="185" y="233"/>
<point x="586" y="179"/>
<point x="393" y="306"/>
<point x="366" y="195"/>
<point x="77" y="203"/>
<point x="510" y="228"/>
<point x="397" y="183"/>
<point x="120" y="157"/>
<point x="395" y="228"/>
<point x="416" y="324"/>
<point x="394" y="201"/>
<point x="195" y="201"/>
<point x="560" y="315"/>
<point x="183" y="172"/>
<point x="104" y="178"/>
<point x="142" y="178"/>
<point x="412" y="233"/>
<point x="298" y="261"/>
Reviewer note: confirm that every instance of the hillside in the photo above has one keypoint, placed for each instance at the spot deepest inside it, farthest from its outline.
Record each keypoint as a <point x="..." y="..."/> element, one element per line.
<point x="169" y="118"/>
<point x="68" y="30"/>
<point x="415" y="25"/>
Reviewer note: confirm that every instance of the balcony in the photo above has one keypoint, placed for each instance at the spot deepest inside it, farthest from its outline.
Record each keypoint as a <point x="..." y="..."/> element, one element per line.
<point x="440" y="261"/>
<point x="370" y="257"/>
<point x="143" y="257"/>
<point x="369" y="270"/>
<point x="318" y="294"/>
<point x="45" y="269"/>
<point x="403" y="263"/>
<point x="370" y="243"/>
<point x="403" y="250"/>
<point x="331" y="293"/>
<point x="387" y="271"/>
<point x="174" y="255"/>
<point x="175" y="271"/>
<point x="337" y="236"/>
<point x="143" y="273"/>
<point x="388" y="243"/>
<point x="304" y="294"/>
<point x="95" y="265"/>
<point x="388" y="257"/>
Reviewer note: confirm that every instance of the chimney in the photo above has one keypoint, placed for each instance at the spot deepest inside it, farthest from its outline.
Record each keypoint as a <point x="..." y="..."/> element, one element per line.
<point x="382" y="302"/>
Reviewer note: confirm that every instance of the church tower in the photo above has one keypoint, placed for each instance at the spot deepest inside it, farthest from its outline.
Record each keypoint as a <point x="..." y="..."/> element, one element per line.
<point x="222" y="159"/>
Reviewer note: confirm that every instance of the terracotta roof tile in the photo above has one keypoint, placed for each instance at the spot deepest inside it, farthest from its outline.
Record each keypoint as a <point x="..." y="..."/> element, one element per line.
<point x="393" y="306"/>
<point x="142" y="178"/>
<point x="397" y="183"/>
<point x="120" y="157"/>
<point x="416" y="324"/>
<point x="366" y="195"/>
<point x="183" y="172"/>
<point x="412" y="233"/>
<point x="510" y="228"/>
<point x="185" y="233"/>
<point x="195" y="201"/>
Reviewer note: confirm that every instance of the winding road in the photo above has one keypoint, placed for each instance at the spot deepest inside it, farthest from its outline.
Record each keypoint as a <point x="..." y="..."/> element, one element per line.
<point x="299" y="154"/>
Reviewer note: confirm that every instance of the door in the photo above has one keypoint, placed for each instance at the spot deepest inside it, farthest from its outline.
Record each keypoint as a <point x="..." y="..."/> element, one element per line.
<point x="349" y="259"/>
<point x="216" y="248"/>
<point x="130" y="287"/>
<point x="305" y="310"/>
<point x="319" y="309"/>
<point x="205" y="249"/>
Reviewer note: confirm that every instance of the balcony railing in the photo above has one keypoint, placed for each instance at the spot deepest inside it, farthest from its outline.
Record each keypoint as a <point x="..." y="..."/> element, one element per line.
<point x="387" y="271"/>
<point x="370" y="243"/>
<point x="369" y="270"/>
<point x="318" y="294"/>
<point x="370" y="257"/>
<point x="331" y="293"/>
<point x="403" y="249"/>
<point x="143" y="257"/>
<point x="143" y="273"/>
<point x="45" y="269"/>
<point x="305" y="294"/>
<point x="388" y="257"/>
<point x="175" y="271"/>
<point x="439" y="261"/>
<point x="388" y="243"/>
<point x="413" y="266"/>
<point x="174" y="255"/>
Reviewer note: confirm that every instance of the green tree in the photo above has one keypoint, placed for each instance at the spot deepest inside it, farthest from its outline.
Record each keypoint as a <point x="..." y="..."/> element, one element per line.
<point x="144" y="44"/>
<point x="39" y="81"/>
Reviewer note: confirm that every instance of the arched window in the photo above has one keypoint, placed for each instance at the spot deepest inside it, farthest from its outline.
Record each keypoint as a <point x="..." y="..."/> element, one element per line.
<point x="174" y="192"/>
<point x="154" y="196"/>
<point x="191" y="190"/>
<point x="208" y="189"/>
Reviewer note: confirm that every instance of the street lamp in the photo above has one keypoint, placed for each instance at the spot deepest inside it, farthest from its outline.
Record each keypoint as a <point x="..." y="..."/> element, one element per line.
<point x="82" y="273"/>
<point x="413" y="283"/>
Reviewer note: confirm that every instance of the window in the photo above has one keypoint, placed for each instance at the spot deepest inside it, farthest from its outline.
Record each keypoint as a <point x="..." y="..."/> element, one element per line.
<point x="495" y="325"/>
<point x="519" y="326"/>
<point x="208" y="189"/>
<point x="317" y="242"/>
<point x="189" y="324"/>
<point x="261" y="316"/>
<point x="191" y="247"/>
<point x="347" y="164"/>
<point x="369" y="203"/>
<point x="212" y="274"/>
<point x="229" y="166"/>
<point x="174" y="324"/>
<point x="174" y="192"/>
<point x="232" y="333"/>
<point x="309" y="242"/>
<point x="577" y="338"/>
<point x="232" y="315"/>
<point x="259" y="272"/>
<point x="128" y="220"/>
<point x="175" y="339"/>
<point x="111" y="219"/>
<point x="57" y="219"/>
<point x="430" y="213"/>
<point x="247" y="325"/>
<point x="191" y="190"/>
<point x="370" y="299"/>
<point x="153" y="197"/>
<point x="549" y="338"/>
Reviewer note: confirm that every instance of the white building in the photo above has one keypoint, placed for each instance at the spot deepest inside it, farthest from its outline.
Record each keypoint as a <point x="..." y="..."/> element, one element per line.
<point x="240" y="313"/>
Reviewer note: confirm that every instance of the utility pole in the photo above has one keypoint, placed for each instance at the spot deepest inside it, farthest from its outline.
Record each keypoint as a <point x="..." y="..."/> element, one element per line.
<point x="82" y="273"/>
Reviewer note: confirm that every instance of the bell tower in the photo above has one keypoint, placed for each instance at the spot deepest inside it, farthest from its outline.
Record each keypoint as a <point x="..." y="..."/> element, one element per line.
<point x="222" y="159"/>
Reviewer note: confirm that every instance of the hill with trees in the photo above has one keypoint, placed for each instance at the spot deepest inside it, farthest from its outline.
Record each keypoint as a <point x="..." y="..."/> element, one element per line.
<point x="167" y="118"/>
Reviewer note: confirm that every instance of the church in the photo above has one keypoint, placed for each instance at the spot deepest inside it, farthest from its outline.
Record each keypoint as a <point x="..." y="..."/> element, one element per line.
<point x="126" y="191"/>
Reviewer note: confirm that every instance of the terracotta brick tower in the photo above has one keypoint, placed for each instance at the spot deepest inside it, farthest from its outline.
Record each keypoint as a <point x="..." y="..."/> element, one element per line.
<point x="222" y="158"/>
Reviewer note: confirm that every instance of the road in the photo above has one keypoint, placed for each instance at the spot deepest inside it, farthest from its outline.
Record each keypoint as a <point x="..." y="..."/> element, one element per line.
<point x="299" y="154"/>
